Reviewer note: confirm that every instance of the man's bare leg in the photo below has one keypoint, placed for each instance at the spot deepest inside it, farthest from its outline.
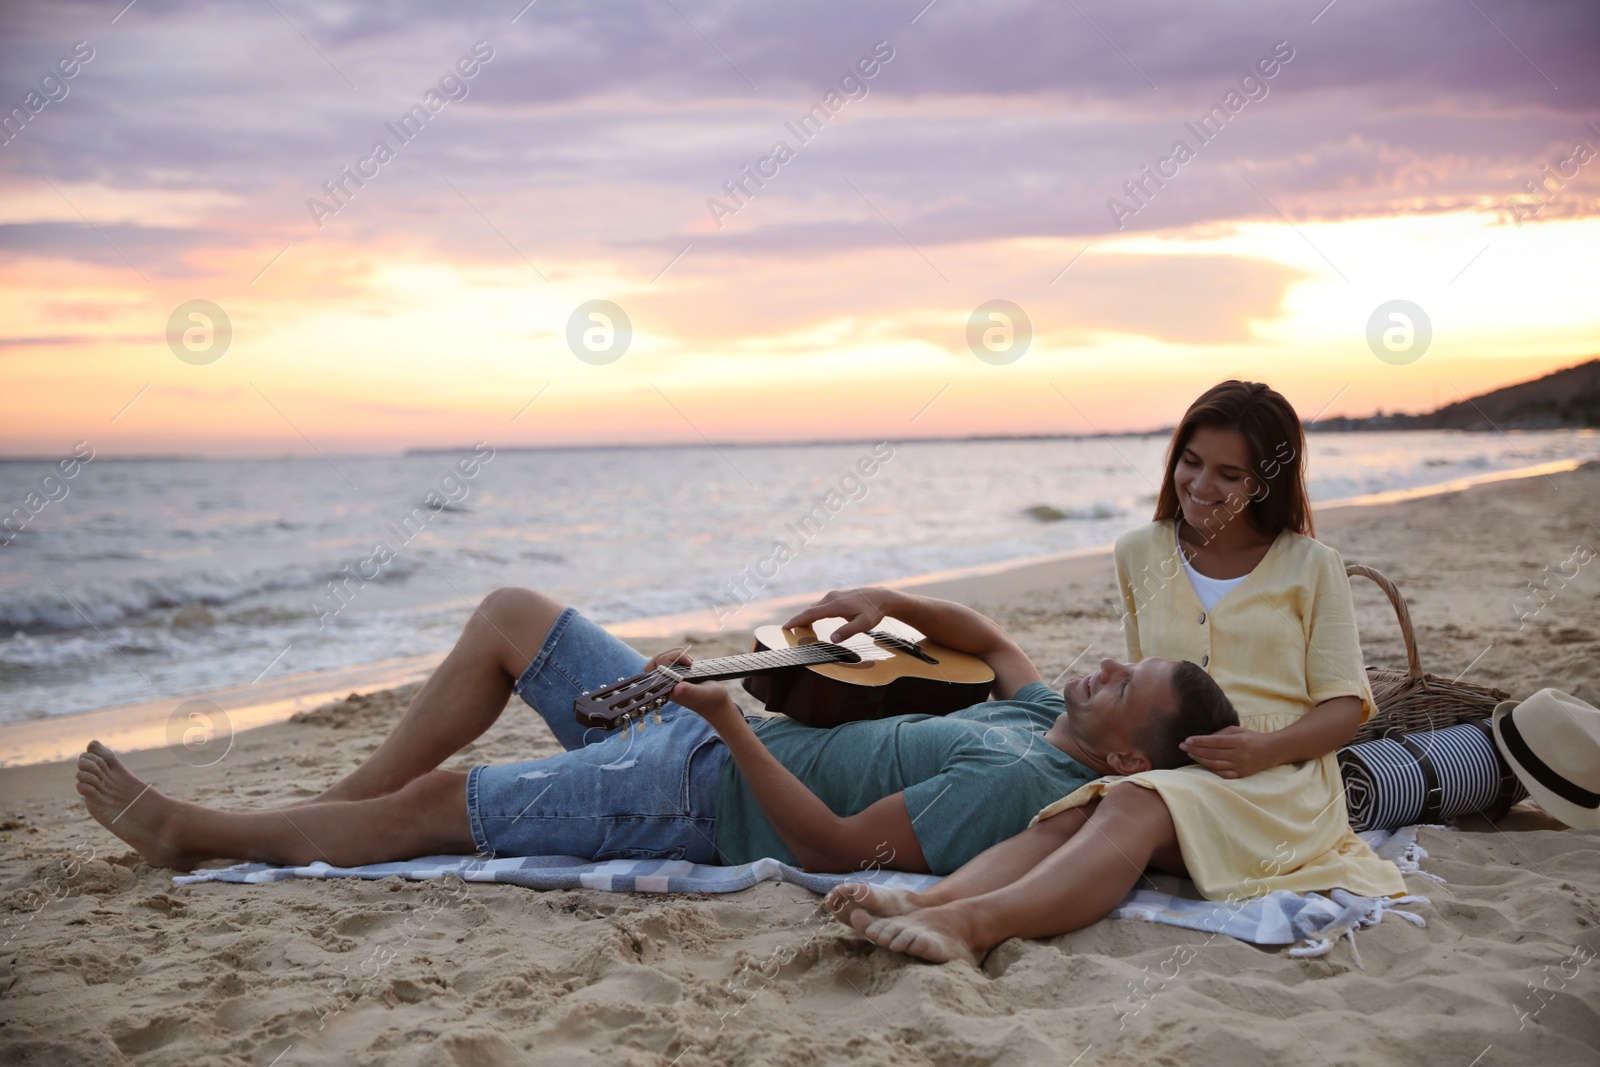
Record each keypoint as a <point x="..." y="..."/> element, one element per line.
<point x="427" y="817"/>
<point x="1076" y="885"/>
<point x="993" y="868"/>
<point x="461" y="699"/>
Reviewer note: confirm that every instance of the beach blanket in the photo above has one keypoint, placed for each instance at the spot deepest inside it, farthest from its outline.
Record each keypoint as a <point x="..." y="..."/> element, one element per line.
<point x="1312" y="921"/>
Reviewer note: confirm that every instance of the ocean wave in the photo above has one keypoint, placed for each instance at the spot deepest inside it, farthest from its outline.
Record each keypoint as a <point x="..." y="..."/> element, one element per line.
<point x="184" y="598"/>
<point x="115" y="555"/>
<point x="110" y="603"/>
<point x="1099" y="509"/>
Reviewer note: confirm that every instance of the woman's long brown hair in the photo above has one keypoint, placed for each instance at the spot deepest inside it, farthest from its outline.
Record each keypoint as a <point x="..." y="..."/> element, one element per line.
<point x="1277" y="441"/>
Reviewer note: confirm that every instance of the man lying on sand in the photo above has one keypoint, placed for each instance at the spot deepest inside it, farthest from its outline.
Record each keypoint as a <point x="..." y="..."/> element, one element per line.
<point x="914" y="792"/>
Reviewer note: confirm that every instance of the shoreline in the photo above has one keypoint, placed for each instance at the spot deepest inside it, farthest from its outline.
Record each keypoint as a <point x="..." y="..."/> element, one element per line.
<point x="151" y="724"/>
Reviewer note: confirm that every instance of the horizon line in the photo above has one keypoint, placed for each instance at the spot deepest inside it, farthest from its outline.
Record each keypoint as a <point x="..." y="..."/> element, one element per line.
<point x="434" y="450"/>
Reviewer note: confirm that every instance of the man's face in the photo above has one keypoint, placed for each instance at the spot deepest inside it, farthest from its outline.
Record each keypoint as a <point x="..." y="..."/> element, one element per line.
<point x="1107" y="710"/>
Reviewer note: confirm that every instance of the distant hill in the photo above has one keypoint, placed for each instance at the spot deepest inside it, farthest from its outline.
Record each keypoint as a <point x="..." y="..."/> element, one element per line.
<point x="1566" y="399"/>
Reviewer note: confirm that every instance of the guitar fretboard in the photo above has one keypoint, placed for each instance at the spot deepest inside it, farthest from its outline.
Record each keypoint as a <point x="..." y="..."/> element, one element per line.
<point x="773" y="659"/>
<point x="631" y="699"/>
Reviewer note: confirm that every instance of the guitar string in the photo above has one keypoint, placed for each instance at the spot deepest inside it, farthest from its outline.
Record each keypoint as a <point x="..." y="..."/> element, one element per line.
<point x="794" y="655"/>
<point x="804" y="655"/>
<point x="797" y="654"/>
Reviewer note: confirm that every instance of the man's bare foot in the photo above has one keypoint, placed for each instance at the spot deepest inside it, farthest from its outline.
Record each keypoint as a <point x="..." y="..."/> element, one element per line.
<point x="870" y="901"/>
<point x="129" y="808"/>
<point x="933" y="934"/>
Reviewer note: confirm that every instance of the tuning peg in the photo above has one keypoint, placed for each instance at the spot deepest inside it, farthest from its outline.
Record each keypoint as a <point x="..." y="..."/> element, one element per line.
<point x="657" y="717"/>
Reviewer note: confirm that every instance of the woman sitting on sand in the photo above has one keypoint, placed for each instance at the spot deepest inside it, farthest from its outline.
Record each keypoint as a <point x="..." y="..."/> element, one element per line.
<point x="1227" y="576"/>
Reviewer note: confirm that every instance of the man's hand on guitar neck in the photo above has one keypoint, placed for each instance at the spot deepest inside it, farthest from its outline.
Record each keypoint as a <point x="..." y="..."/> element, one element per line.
<point x="950" y="624"/>
<point x="671" y="657"/>
<point x="709" y="700"/>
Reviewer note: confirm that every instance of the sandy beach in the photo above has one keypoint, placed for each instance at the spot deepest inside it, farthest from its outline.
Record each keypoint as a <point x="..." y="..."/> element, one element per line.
<point x="105" y="960"/>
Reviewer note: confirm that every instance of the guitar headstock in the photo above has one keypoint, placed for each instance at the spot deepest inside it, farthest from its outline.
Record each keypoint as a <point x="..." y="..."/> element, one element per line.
<point x="626" y="700"/>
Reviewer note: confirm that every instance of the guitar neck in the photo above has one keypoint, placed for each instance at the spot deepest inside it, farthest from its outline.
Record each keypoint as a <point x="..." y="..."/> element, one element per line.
<point x="773" y="659"/>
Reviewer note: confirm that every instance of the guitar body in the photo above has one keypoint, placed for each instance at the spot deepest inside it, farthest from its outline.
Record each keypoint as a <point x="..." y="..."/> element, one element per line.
<point x="931" y="680"/>
<point x="802" y="673"/>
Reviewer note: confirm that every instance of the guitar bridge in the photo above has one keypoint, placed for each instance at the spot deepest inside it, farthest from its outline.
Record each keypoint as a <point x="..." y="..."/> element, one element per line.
<point x="900" y="644"/>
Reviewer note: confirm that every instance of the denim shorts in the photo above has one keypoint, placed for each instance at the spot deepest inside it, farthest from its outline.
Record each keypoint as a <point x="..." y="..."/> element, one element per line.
<point x="646" y="793"/>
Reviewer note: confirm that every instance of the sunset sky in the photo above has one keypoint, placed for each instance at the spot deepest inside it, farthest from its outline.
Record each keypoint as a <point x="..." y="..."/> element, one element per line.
<point x="1390" y="155"/>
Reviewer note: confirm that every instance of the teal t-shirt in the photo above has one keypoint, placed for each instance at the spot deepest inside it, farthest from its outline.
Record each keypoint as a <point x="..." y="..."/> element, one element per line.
<point x="971" y="778"/>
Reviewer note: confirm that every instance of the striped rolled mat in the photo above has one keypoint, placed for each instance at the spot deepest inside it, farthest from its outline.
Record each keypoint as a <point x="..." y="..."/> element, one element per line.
<point x="1432" y="776"/>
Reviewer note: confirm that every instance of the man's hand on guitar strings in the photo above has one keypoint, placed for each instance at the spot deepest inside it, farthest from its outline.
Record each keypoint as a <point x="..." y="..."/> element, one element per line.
<point x="861" y="608"/>
<point x="675" y="657"/>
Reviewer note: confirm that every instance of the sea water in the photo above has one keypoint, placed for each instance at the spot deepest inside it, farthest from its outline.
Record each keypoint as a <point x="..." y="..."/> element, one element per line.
<point x="153" y="578"/>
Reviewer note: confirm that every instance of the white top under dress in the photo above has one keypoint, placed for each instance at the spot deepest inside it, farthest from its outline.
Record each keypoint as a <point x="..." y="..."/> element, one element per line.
<point x="1209" y="590"/>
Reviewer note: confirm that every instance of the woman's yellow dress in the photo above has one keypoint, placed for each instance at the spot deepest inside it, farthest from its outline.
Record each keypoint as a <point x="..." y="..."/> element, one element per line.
<point x="1279" y="643"/>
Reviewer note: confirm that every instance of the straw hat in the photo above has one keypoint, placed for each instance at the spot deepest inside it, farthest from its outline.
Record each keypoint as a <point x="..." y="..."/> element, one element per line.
<point x="1552" y="742"/>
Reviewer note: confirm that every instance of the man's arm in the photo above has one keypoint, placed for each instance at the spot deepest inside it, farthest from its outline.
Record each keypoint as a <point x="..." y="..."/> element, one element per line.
<point x="880" y="835"/>
<point x="952" y="625"/>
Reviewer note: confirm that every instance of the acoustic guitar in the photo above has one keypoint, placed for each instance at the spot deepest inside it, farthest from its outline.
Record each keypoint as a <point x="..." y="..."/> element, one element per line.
<point x="801" y="673"/>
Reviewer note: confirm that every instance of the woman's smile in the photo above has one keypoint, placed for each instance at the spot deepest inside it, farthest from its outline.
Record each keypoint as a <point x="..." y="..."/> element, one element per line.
<point x="1212" y="473"/>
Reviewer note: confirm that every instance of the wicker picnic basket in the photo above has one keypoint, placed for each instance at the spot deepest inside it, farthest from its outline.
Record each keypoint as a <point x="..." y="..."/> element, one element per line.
<point x="1412" y="701"/>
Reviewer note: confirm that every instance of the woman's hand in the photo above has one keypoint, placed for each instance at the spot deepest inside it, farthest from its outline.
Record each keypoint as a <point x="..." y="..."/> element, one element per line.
<point x="1232" y="752"/>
